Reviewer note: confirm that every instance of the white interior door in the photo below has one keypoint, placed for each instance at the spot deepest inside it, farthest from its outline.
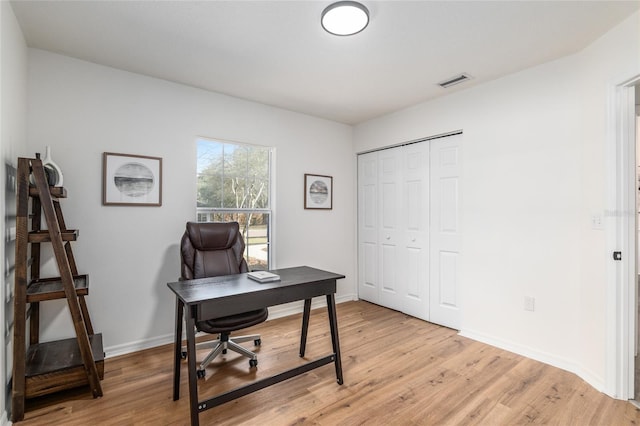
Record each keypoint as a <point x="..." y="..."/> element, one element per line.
<point x="415" y="230"/>
<point x="445" y="231"/>
<point x="368" y="227"/>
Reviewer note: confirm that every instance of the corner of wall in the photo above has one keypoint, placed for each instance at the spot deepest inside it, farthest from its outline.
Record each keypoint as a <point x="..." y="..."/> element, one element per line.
<point x="13" y="129"/>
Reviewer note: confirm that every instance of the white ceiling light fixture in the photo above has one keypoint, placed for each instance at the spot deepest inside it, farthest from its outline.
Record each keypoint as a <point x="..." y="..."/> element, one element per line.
<point x="345" y="18"/>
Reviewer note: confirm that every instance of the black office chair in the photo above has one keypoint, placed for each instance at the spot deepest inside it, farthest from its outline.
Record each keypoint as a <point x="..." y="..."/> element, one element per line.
<point x="212" y="249"/>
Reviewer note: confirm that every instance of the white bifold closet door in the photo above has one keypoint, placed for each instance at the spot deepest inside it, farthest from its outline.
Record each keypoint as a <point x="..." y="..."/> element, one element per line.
<point x="408" y="229"/>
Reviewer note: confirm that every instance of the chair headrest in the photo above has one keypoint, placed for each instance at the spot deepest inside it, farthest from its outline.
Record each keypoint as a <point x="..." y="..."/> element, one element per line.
<point x="212" y="235"/>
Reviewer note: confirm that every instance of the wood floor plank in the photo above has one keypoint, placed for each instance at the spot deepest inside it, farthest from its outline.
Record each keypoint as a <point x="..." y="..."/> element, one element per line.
<point x="397" y="370"/>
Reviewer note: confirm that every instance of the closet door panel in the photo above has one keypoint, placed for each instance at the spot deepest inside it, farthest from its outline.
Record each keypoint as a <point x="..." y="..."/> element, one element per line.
<point x="415" y="229"/>
<point x="368" y="227"/>
<point x="391" y="271"/>
<point x="445" y="231"/>
<point x="448" y="281"/>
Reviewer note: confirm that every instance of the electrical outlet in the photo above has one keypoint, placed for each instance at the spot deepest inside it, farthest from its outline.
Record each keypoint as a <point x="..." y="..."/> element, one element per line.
<point x="596" y="222"/>
<point x="529" y="303"/>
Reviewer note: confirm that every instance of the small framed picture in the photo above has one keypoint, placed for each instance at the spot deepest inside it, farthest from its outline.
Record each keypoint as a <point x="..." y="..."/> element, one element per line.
<point x="318" y="192"/>
<point x="131" y="180"/>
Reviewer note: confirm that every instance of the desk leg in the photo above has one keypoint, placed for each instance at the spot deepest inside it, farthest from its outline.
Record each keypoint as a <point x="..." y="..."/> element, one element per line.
<point x="177" y="350"/>
<point x="305" y="326"/>
<point x="333" y="323"/>
<point x="191" y="362"/>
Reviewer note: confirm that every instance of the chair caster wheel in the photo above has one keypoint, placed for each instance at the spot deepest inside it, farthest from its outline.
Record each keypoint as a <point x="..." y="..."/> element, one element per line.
<point x="200" y="374"/>
<point x="253" y="362"/>
<point x="257" y="342"/>
<point x="183" y="354"/>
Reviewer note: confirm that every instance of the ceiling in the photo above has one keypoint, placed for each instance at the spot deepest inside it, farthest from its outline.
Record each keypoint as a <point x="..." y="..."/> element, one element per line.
<point x="276" y="53"/>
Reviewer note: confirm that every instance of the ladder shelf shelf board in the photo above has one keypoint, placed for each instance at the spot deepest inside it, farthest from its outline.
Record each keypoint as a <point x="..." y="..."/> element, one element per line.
<point x="58" y="365"/>
<point x="43" y="368"/>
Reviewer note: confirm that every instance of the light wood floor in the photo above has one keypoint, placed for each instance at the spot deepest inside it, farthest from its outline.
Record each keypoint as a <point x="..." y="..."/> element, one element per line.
<point x="398" y="370"/>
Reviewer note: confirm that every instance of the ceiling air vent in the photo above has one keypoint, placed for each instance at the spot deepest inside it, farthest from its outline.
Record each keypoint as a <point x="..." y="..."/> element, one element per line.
<point x="455" y="80"/>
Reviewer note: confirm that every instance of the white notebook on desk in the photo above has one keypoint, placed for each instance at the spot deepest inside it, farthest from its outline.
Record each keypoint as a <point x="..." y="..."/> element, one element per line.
<point x="263" y="276"/>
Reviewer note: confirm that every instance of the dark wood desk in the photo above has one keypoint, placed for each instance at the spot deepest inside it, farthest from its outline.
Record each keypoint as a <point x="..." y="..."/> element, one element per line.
<point x="209" y="298"/>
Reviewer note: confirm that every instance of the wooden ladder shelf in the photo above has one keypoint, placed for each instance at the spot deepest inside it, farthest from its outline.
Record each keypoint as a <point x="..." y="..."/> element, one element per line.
<point x="43" y="368"/>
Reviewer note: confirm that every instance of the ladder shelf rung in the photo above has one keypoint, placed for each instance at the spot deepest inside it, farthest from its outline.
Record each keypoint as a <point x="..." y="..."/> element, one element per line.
<point x="51" y="288"/>
<point x="44" y="237"/>
<point x="55" y="191"/>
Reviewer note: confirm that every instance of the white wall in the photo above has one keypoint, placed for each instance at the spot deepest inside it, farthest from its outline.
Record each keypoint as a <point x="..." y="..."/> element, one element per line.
<point x="534" y="173"/>
<point x="82" y="110"/>
<point x="13" y="116"/>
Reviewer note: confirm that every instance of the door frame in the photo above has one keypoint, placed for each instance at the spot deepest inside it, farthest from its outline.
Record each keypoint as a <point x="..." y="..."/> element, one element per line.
<point x="621" y="218"/>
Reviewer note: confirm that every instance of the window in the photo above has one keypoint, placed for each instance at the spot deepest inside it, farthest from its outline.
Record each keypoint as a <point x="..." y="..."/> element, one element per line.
<point x="234" y="185"/>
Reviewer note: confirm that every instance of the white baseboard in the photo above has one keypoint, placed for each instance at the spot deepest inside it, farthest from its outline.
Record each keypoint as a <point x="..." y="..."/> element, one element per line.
<point x="296" y="307"/>
<point x="274" y="312"/>
<point x="4" y="420"/>
<point x="588" y="376"/>
<point x="127" y="348"/>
